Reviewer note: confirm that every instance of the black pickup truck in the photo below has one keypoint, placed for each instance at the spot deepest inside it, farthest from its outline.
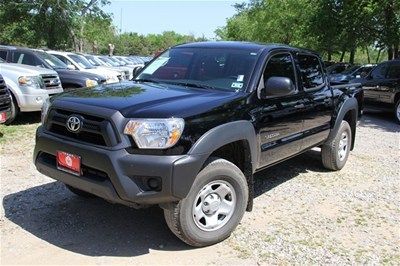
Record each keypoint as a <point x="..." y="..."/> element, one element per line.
<point x="5" y="101"/>
<point x="192" y="128"/>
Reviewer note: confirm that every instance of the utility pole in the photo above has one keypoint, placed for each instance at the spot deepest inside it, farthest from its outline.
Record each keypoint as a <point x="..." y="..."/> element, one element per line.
<point x="120" y="23"/>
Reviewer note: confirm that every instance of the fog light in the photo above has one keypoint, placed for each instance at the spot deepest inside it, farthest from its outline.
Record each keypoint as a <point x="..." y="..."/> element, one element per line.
<point x="39" y="98"/>
<point x="154" y="184"/>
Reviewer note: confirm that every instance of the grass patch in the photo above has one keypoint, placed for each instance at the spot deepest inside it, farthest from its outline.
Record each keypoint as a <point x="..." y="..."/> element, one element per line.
<point x="23" y="127"/>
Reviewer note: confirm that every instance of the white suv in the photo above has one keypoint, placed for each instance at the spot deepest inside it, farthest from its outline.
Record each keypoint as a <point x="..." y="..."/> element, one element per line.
<point x="30" y="86"/>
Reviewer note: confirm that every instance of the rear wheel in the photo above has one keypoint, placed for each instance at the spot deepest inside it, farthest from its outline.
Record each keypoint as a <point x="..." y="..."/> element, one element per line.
<point x="214" y="206"/>
<point x="336" y="151"/>
<point x="79" y="192"/>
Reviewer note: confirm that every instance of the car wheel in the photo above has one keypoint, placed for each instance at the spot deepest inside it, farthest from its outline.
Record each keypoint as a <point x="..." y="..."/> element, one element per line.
<point x="336" y="151"/>
<point x="397" y="111"/>
<point x="214" y="206"/>
<point x="13" y="112"/>
<point x="79" y="192"/>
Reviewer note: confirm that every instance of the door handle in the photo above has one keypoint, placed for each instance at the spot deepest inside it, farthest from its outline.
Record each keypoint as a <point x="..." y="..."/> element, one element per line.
<point x="298" y="106"/>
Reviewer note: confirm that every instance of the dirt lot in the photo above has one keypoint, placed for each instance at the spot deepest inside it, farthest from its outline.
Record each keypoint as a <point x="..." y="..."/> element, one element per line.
<point x="303" y="214"/>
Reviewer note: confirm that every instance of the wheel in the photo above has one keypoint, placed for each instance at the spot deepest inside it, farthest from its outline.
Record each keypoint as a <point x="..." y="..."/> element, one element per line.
<point x="79" y="192"/>
<point x="214" y="206"/>
<point x="14" y="111"/>
<point x="336" y="151"/>
<point x="397" y="111"/>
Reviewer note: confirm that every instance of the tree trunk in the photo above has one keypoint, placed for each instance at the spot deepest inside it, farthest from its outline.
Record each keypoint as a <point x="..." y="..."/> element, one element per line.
<point x="396" y="52"/>
<point x="329" y="56"/>
<point x="379" y="54"/>
<point x="342" y="56"/>
<point x="390" y="52"/>
<point x="352" y="55"/>
<point x="369" y="58"/>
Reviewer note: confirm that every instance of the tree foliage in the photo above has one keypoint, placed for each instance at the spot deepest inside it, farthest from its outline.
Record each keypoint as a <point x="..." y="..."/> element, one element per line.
<point x="329" y="26"/>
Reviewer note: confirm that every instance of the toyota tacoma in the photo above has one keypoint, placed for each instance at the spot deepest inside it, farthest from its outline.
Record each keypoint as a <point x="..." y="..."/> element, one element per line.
<point x="191" y="129"/>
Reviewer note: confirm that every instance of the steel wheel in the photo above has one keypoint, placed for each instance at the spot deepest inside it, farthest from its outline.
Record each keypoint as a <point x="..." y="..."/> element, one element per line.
<point x="398" y="112"/>
<point x="343" y="146"/>
<point x="214" y="205"/>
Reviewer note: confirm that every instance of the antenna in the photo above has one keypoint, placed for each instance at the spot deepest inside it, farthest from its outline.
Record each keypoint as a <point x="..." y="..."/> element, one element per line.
<point x="120" y="23"/>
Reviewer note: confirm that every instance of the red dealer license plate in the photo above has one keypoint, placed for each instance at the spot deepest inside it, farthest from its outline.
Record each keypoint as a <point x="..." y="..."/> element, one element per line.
<point x="3" y="117"/>
<point x="69" y="162"/>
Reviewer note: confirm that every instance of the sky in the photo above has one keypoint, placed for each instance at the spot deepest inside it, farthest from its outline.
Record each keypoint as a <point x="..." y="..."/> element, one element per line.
<point x="196" y="17"/>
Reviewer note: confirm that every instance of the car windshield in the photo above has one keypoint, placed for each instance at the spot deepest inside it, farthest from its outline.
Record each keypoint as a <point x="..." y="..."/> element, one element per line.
<point x="107" y="60"/>
<point x="53" y="61"/>
<point x="350" y="70"/>
<point x="93" y="60"/>
<point x="81" y="61"/>
<point x="215" y="68"/>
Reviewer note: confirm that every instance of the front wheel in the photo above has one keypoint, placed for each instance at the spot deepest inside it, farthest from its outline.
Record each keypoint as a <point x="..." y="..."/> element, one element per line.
<point x="397" y="111"/>
<point x="214" y="206"/>
<point x="336" y="151"/>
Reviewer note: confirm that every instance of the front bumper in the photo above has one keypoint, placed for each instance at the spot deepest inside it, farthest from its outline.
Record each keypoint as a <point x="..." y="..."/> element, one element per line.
<point x="117" y="175"/>
<point x="32" y="101"/>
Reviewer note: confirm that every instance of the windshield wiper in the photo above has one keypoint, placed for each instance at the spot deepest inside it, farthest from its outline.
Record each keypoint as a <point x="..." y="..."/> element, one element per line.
<point x="146" y="80"/>
<point x="193" y="85"/>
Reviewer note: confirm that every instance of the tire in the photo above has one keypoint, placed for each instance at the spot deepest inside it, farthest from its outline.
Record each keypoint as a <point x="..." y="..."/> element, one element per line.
<point x="218" y="177"/>
<point x="397" y="111"/>
<point x="79" y="192"/>
<point x="14" y="111"/>
<point x="336" y="151"/>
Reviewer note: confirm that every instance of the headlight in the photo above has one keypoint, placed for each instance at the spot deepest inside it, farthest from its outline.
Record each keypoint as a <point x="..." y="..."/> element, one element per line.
<point x="27" y="81"/>
<point x="45" y="109"/>
<point x="155" y="133"/>
<point x="91" y="83"/>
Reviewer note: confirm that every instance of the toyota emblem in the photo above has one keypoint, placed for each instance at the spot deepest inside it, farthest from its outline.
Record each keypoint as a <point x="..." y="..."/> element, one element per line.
<point x="73" y="124"/>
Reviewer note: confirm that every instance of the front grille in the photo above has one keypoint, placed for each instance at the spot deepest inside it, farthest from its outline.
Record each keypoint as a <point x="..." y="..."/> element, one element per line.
<point x="51" y="81"/>
<point x="95" y="130"/>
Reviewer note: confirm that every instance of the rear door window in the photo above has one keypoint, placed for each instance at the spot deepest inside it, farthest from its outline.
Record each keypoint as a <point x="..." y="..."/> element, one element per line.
<point x="311" y="72"/>
<point x="3" y="55"/>
<point x="394" y="71"/>
<point x="379" y="72"/>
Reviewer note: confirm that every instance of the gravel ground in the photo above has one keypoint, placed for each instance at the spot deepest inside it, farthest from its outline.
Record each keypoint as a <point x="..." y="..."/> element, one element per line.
<point x="302" y="214"/>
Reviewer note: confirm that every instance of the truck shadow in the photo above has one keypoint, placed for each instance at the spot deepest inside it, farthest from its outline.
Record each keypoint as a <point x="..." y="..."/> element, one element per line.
<point x="26" y="118"/>
<point x="95" y="227"/>
<point x="379" y="120"/>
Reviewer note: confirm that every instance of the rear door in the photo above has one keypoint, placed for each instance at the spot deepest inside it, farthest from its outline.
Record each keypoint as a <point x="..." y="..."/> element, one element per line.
<point x="318" y="100"/>
<point x="278" y="120"/>
<point x="375" y="91"/>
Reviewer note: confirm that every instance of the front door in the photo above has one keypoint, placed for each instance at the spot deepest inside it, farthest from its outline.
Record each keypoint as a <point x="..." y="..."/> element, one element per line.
<point x="278" y="120"/>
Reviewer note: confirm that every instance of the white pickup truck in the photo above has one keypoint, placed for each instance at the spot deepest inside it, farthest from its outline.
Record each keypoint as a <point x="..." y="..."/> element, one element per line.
<point x="29" y="86"/>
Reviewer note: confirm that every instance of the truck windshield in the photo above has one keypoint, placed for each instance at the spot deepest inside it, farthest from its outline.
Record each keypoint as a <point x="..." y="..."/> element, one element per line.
<point x="215" y="68"/>
<point x="81" y="61"/>
<point x="53" y="61"/>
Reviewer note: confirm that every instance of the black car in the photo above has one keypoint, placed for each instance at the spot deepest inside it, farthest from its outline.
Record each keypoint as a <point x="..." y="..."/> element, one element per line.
<point x="382" y="88"/>
<point x="350" y="74"/>
<point x="70" y="79"/>
<point x="5" y="101"/>
<point x="192" y="128"/>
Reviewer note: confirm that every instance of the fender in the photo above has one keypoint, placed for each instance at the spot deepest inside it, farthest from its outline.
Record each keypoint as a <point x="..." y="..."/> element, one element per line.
<point x="14" y="89"/>
<point x="208" y="143"/>
<point x="349" y="104"/>
<point x="227" y="133"/>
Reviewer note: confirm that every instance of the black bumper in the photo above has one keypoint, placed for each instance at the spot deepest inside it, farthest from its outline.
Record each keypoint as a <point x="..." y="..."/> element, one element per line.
<point x="117" y="175"/>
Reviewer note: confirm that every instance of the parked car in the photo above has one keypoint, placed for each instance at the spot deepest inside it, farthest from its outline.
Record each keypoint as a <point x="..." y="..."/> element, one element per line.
<point x="29" y="86"/>
<point x="5" y="101"/>
<point x="78" y="62"/>
<point x="337" y="68"/>
<point x="351" y="73"/>
<point x="126" y="72"/>
<point x="191" y="130"/>
<point x="70" y="79"/>
<point x="382" y="88"/>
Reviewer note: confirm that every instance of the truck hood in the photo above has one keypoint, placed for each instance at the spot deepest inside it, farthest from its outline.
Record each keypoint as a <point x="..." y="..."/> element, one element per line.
<point x="149" y="100"/>
<point x="25" y="70"/>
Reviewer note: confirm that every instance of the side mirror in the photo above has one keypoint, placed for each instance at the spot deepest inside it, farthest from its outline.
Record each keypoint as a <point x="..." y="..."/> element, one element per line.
<point x="71" y="67"/>
<point x="136" y="71"/>
<point x="277" y="86"/>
